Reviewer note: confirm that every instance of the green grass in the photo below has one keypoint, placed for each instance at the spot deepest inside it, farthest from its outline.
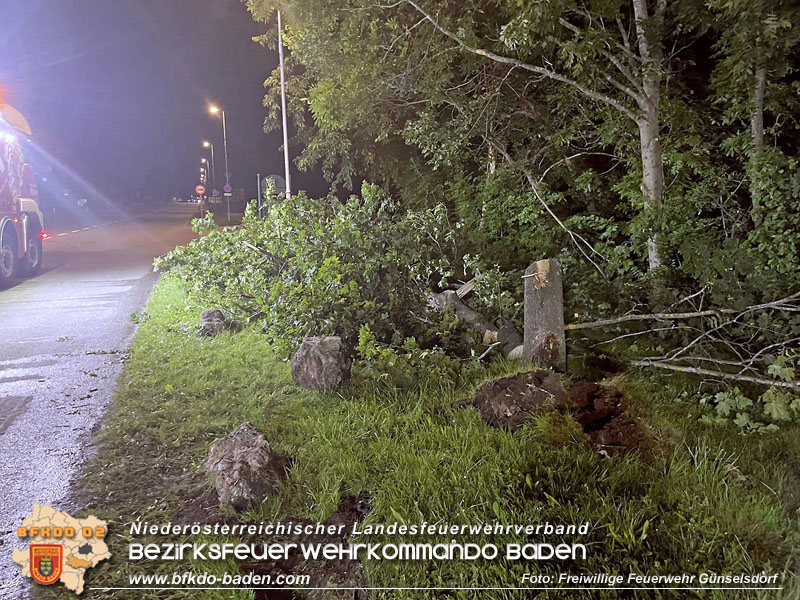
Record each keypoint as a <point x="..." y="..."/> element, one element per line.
<point x="707" y="500"/>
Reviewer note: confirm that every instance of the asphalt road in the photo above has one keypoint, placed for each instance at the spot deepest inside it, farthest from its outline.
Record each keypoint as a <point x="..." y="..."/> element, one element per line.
<point x="64" y="339"/>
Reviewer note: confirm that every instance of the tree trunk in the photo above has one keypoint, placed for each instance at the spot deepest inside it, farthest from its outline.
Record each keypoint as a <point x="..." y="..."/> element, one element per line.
<point x="507" y="335"/>
<point x="652" y="175"/>
<point x="757" y="129"/>
<point x="492" y="167"/>
<point x="544" y="339"/>
<point x="649" y="31"/>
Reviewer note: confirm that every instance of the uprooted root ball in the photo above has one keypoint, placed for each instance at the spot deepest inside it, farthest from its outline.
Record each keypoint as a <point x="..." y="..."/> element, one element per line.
<point x="603" y="412"/>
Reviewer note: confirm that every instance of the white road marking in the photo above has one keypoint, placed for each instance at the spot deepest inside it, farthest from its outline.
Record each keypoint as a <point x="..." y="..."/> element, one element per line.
<point x="110" y="223"/>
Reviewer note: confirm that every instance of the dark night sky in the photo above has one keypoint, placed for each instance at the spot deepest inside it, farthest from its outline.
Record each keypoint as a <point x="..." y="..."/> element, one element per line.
<point x="118" y="91"/>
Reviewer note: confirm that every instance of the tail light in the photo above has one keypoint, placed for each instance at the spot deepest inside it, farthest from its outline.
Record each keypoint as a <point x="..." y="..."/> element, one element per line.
<point x="44" y="235"/>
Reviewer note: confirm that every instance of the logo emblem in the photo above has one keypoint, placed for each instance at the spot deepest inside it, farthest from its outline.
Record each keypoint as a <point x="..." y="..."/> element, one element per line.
<point x="46" y="562"/>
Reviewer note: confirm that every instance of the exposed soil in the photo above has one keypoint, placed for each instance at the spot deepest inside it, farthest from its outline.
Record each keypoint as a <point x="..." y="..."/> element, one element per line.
<point x="202" y="506"/>
<point x="324" y="574"/>
<point x="510" y="401"/>
<point x="603" y="412"/>
<point x="605" y="416"/>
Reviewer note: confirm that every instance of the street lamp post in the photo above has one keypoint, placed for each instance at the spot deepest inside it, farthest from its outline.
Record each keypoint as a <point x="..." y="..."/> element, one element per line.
<point x="207" y="144"/>
<point x="214" y="110"/>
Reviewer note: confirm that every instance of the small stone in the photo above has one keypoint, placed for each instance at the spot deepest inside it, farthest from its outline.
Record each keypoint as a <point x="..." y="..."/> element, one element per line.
<point x="516" y="353"/>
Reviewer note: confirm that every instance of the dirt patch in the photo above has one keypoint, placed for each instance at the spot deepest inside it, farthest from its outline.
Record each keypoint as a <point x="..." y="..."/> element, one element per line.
<point x="510" y="401"/>
<point x="338" y="573"/>
<point x="324" y="574"/>
<point x="604" y="413"/>
<point x="202" y="506"/>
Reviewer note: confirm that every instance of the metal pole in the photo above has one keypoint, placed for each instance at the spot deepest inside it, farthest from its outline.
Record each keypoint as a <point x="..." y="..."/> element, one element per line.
<point x="225" y="146"/>
<point x="258" y="184"/>
<point x="283" y="111"/>
<point x="213" y="170"/>
<point x="227" y="172"/>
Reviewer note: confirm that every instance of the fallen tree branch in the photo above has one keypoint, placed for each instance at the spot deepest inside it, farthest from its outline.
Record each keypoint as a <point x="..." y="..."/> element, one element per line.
<point x="688" y="315"/>
<point x="795" y="385"/>
<point x="278" y="262"/>
<point x="508" y="336"/>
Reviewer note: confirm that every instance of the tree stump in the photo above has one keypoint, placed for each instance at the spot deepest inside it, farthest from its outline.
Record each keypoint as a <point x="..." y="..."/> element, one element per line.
<point x="544" y="340"/>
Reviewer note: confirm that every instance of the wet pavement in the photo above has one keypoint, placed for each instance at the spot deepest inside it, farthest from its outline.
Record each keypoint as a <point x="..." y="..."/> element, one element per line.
<point x="65" y="335"/>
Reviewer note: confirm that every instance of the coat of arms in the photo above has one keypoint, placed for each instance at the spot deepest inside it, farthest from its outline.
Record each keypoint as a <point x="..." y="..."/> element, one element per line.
<point x="46" y="562"/>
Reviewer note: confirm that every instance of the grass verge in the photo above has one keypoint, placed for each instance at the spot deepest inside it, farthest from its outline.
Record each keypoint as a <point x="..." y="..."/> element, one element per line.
<point x="709" y="500"/>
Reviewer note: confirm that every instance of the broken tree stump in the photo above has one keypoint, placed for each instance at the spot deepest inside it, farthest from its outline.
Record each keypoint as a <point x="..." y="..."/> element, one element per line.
<point x="544" y="341"/>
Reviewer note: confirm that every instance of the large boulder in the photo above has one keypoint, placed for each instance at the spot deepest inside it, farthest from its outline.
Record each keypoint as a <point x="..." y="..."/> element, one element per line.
<point x="212" y="322"/>
<point x="320" y="363"/>
<point x="244" y="467"/>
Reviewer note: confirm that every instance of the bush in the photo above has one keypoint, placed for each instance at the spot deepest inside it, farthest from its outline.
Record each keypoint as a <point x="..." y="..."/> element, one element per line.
<point x="322" y="267"/>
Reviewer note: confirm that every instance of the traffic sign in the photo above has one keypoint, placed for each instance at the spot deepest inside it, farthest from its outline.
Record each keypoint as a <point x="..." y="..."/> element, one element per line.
<point x="227" y="189"/>
<point x="200" y="189"/>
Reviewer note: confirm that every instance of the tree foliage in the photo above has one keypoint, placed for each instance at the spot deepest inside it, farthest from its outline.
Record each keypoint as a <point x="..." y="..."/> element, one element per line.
<point x="321" y="267"/>
<point x="423" y="97"/>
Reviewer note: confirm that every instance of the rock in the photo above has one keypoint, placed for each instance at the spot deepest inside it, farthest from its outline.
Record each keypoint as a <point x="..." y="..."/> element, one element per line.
<point x="510" y="338"/>
<point x="244" y="467"/>
<point x="516" y="353"/>
<point x="213" y="322"/>
<point x="320" y="363"/>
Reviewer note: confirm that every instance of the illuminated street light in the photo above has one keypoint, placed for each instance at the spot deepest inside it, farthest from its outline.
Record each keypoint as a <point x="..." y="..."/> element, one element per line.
<point x="214" y="110"/>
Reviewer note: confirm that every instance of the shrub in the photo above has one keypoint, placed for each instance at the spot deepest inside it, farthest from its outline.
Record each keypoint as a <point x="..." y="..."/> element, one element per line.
<point x="322" y="267"/>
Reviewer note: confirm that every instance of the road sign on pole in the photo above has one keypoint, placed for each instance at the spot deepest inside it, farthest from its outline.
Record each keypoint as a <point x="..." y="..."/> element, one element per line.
<point x="200" y="189"/>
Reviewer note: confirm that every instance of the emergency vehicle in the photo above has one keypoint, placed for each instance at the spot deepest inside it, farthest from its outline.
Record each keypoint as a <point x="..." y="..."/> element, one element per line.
<point x="21" y="221"/>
